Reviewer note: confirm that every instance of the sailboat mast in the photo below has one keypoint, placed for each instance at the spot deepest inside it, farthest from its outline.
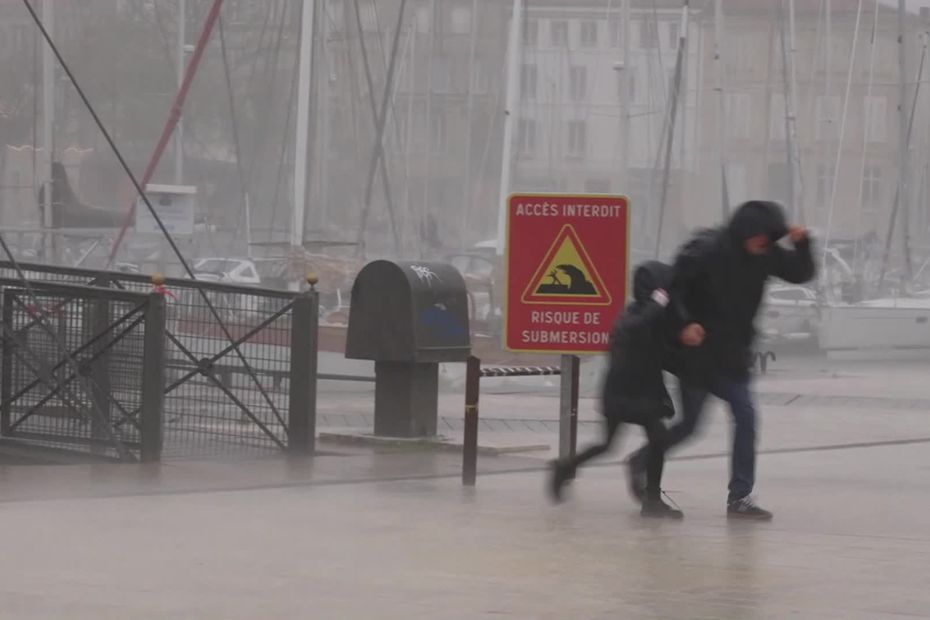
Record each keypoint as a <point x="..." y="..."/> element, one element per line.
<point x="791" y="106"/>
<point x="469" y="117"/>
<point x="721" y="105"/>
<point x="626" y="77"/>
<point x="672" y="115"/>
<point x="510" y="103"/>
<point x="304" y="77"/>
<point x="903" y="141"/>
<point x="179" y="68"/>
<point x="48" y="125"/>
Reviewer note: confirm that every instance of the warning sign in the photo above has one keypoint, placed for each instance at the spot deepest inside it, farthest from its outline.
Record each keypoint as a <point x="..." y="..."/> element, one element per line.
<point x="566" y="275"/>
<point x="567" y="264"/>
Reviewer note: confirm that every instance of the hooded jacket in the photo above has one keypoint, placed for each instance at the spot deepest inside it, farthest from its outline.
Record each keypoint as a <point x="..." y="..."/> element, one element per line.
<point x="639" y="347"/>
<point x="719" y="285"/>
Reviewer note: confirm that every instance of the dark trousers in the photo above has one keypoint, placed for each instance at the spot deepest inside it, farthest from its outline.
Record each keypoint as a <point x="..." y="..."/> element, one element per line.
<point x="736" y="393"/>
<point x="618" y="412"/>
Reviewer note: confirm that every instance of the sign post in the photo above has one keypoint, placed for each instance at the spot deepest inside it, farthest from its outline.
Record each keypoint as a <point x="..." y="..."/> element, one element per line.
<point x="567" y="271"/>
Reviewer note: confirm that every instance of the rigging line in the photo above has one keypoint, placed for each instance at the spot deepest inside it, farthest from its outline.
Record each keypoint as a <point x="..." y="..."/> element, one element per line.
<point x="173" y="118"/>
<point x="907" y="144"/>
<point x="224" y="176"/>
<point x="865" y="140"/>
<point x="35" y="108"/>
<point x="261" y="134"/>
<point x="385" y="66"/>
<point x="145" y="199"/>
<point x="282" y="155"/>
<point x="243" y="182"/>
<point x="842" y="136"/>
<point x="378" y="162"/>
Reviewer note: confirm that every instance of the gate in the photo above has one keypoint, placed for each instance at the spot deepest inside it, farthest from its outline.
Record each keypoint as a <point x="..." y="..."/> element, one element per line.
<point x="242" y="387"/>
<point x="82" y="368"/>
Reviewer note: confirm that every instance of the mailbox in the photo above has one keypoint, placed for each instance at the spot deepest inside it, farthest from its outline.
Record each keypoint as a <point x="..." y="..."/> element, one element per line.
<point x="408" y="317"/>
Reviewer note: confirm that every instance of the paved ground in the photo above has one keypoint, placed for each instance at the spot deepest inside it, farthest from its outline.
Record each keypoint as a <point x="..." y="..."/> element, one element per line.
<point x="357" y="533"/>
<point x="850" y="541"/>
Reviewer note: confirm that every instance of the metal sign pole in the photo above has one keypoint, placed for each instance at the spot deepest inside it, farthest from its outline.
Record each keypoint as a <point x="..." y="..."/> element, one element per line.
<point x="568" y="405"/>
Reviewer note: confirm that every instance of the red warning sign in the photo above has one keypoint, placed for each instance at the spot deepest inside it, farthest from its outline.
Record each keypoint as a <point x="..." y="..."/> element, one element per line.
<point x="567" y="269"/>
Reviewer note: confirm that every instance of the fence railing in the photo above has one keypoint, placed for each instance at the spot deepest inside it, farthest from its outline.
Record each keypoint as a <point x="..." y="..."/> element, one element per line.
<point x="244" y="384"/>
<point x="82" y="368"/>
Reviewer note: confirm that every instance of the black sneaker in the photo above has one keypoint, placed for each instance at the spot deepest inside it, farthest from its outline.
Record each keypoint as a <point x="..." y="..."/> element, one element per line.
<point x="561" y="474"/>
<point x="636" y="479"/>
<point x="656" y="508"/>
<point x="746" y="508"/>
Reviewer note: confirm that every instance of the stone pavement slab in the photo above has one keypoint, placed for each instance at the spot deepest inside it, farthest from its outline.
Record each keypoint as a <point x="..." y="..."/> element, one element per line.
<point x="849" y="541"/>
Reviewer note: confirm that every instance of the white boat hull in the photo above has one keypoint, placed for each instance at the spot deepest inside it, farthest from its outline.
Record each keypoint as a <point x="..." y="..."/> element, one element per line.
<point x="894" y="326"/>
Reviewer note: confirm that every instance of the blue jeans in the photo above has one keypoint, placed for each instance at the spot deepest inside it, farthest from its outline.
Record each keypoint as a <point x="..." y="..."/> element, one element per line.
<point x="736" y="393"/>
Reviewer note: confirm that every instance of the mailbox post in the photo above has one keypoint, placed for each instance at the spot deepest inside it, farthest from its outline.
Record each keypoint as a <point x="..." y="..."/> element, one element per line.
<point x="408" y="317"/>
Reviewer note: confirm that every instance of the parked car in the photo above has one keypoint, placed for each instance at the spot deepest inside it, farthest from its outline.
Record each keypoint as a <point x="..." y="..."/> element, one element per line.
<point x="234" y="270"/>
<point x="789" y="313"/>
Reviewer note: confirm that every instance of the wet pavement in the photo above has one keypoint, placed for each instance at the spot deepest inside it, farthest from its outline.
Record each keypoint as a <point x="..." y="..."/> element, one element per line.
<point x="391" y="533"/>
<point x="850" y="540"/>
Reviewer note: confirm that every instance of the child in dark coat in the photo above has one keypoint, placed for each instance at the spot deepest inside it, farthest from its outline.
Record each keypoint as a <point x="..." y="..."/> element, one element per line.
<point x="634" y="390"/>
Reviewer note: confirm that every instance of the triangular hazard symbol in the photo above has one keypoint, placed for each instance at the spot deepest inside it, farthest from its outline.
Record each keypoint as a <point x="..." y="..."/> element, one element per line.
<point x="567" y="275"/>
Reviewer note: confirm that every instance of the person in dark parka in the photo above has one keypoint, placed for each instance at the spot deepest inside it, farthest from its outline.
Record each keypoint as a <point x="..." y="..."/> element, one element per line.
<point x="717" y="286"/>
<point x="634" y="390"/>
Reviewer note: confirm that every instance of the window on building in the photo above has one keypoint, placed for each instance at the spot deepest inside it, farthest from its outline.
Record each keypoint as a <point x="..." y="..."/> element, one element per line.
<point x="526" y="136"/>
<point x="461" y="20"/>
<point x="577" y="138"/>
<point x="531" y="33"/>
<point x="336" y="15"/>
<point x="418" y="129"/>
<point x="827" y="117"/>
<point x="424" y="20"/>
<point x="621" y="84"/>
<point x="824" y="184"/>
<point x="589" y="33"/>
<point x="616" y="32"/>
<point x="438" y="132"/>
<point x="777" y="117"/>
<point x="876" y="115"/>
<point x="578" y="83"/>
<point x="442" y="74"/>
<point x="738" y="115"/>
<point x="528" y="81"/>
<point x="482" y="83"/>
<point x="558" y="33"/>
<point x="369" y="16"/>
<point x="736" y="183"/>
<point x="674" y="33"/>
<point x="872" y="188"/>
<point x="648" y="34"/>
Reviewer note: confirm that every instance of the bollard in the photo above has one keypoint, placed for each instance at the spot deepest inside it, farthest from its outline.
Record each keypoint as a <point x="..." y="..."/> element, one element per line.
<point x="302" y="374"/>
<point x="568" y="406"/>
<point x="576" y="388"/>
<point x="470" y="443"/>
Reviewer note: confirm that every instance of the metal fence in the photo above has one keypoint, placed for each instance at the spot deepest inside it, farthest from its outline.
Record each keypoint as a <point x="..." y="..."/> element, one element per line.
<point x="243" y="386"/>
<point x="82" y="368"/>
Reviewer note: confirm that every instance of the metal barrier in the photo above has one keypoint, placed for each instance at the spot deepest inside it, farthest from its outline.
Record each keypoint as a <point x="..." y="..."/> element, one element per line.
<point x="82" y="368"/>
<point x="255" y="393"/>
<point x="761" y="359"/>
<point x="568" y="406"/>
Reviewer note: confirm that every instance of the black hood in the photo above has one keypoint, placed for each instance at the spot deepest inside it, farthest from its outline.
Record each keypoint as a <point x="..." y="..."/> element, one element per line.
<point x="649" y="276"/>
<point x="758" y="217"/>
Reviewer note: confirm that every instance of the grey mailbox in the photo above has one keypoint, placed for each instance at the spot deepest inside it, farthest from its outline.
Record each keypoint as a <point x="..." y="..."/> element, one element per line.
<point x="408" y="317"/>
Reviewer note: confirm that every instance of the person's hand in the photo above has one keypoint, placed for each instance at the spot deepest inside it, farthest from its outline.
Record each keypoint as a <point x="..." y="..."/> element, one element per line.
<point x="797" y="233"/>
<point x="692" y="335"/>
